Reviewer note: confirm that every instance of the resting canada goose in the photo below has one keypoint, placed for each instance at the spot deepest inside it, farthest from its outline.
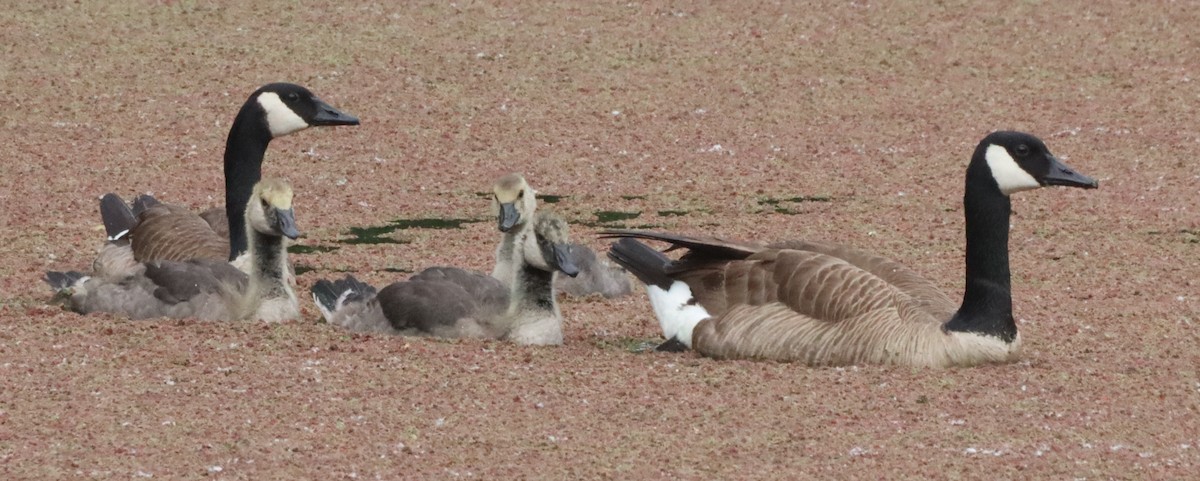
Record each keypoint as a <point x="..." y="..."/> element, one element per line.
<point x="455" y="303"/>
<point x="824" y="304"/>
<point x="203" y="288"/>
<point x="166" y="232"/>
<point x="514" y="202"/>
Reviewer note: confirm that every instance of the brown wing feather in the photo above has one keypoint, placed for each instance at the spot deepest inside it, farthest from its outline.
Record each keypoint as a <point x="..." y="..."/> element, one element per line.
<point x="215" y="217"/>
<point x="806" y="306"/>
<point x="821" y="287"/>
<point x="927" y="295"/>
<point x="173" y="233"/>
<point x="777" y="332"/>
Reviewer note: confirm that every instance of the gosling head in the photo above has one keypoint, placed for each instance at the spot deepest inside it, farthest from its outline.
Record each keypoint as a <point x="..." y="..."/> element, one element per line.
<point x="513" y="202"/>
<point x="554" y="249"/>
<point x="1019" y="161"/>
<point x="269" y="211"/>
<point x="288" y="108"/>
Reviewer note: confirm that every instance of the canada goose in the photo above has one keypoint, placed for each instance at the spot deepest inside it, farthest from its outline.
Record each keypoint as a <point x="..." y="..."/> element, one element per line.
<point x="455" y="303"/>
<point x="824" y="304"/>
<point x="514" y="202"/>
<point x="203" y="288"/>
<point x="166" y="232"/>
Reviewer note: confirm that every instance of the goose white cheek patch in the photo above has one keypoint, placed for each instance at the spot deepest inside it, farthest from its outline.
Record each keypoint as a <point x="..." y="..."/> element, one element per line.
<point x="1009" y="176"/>
<point x="281" y="120"/>
<point x="676" y="312"/>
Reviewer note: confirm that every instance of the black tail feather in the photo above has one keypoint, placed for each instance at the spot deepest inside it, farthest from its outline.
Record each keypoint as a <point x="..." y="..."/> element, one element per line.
<point x="672" y="345"/>
<point x="62" y="280"/>
<point x="143" y="202"/>
<point x="117" y="217"/>
<point x="327" y="292"/>
<point x="704" y="246"/>
<point x="647" y="264"/>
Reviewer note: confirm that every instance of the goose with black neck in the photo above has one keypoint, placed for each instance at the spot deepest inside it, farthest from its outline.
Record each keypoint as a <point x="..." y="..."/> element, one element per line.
<point x="826" y="304"/>
<point x="150" y="231"/>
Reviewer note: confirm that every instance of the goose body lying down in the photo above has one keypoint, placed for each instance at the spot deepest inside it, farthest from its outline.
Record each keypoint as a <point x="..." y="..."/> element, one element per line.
<point x="149" y="230"/>
<point x="455" y="303"/>
<point x="824" y="304"/>
<point x="203" y="288"/>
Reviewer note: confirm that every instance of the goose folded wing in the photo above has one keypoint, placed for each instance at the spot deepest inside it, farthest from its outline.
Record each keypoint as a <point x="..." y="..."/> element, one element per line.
<point x="444" y="302"/>
<point x="176" y="236"/>
<point x="793" y="305"/>
<point x="217" y="220"/>
<point x="485" y="289"/>
<point x="925" y="293"/>
<point x="177" y="282"/>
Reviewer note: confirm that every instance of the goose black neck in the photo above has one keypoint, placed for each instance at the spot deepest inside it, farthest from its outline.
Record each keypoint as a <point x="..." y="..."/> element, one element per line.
<point x="987" y="299"/>
<point x="533" y="288"/>
<point x="244" y="151"/>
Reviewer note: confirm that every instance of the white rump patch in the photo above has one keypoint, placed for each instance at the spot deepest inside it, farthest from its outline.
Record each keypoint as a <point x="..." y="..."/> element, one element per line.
<point x="325" y="313"/>
<point x="677" y="311"/>
<point x="1009" y="176"/>
<point x="973" y="349"/>
<point x="119" y="235"/>
<point x="281" y="119"/>
<point x="243" y="262"/>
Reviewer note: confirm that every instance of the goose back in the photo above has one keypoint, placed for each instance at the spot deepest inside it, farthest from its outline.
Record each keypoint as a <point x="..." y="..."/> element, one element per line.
<point x="446" y="302"/>
<point x="167" y="232"/>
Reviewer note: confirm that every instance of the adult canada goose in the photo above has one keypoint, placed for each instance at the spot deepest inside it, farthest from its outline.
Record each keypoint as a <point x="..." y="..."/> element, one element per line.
<point x="166" y="232"/>
<point x="514" y="202"/>
<point x="203" y="288"/>
<point x="455" y="303"/>
<point x="824" y="304"/>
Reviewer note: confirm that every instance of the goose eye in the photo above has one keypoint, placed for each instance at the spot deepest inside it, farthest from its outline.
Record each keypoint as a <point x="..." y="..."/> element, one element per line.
<point x="1022" y="150"/>
<point x="521" y="194"/>
<point x="293" y="96"/>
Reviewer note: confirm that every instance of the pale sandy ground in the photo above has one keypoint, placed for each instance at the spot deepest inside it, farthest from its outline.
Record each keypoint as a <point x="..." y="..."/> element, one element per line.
<point x="626" y="106"/>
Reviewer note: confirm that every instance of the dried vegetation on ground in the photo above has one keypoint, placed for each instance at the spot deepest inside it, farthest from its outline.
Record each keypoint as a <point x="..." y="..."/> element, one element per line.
<point x="694" y="116"/>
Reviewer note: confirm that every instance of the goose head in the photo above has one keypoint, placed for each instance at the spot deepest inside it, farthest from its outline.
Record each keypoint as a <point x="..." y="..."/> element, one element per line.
<point x="513" y="201"/>
<point x="270" y="209"/>
<point x="553" y="245"/>
<point x="1018" y="161"/>
<point x="289" y="108"/>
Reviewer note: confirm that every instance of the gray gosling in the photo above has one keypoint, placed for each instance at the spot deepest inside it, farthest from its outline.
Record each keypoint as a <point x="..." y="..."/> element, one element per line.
<point x="450" y="302"/>
<point x="514" y="202"/>
<point x="203" y="288"/>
